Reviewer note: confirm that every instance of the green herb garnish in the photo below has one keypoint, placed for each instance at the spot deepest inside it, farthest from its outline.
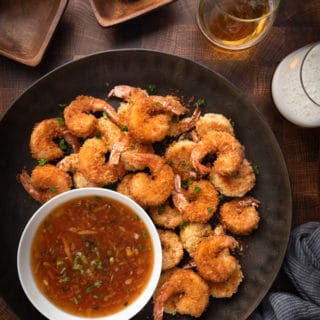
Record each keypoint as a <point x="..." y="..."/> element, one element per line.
<point x="196" y="190"/>
<point x="152" y="88"/>
<point x="200" y="103"/>
<point x="42" y="162"/>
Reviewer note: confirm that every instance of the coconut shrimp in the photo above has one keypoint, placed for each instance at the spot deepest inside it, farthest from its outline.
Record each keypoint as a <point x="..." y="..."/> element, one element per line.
<point x="236" y="185"/>
<point x="192" y="234"/>
<point x="148" y="118"/>
<point x="166" y="216"/>
<point x="229" y="151"/>
<point x="93" y="165"/>
<point x="240" y="216"/>
<point x="169" y="102"/>
<point x="172" y="251"/>
<point x="42" y="144"/>
<point x="70" y="164"/>
<point x="178" y="156"/>
<point x="148" y="122"/>
<point x="198" y="203"/>
<point x="45" y="182"/>
<point x="228" y="288"/>
<point x="190" y="290"/>
<point x="213" y="259"/>
<point x="213" y="121"/>
<point x="149" y="189"/>
<point x="78" y="118"/>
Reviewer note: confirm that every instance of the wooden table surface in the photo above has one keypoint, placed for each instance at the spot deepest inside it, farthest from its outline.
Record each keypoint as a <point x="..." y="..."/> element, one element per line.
<point x="173" y="29"/>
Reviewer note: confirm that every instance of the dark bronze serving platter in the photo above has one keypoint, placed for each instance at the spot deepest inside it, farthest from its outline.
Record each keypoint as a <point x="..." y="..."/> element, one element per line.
<point x="95" y="75"/>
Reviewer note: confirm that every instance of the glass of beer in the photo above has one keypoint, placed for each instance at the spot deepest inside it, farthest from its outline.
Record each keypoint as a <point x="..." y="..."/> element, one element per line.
<point x="236" y="24"/>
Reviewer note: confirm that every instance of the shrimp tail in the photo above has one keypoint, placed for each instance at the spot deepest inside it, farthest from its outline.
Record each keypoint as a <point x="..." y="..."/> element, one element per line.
<point x="72" y="140"/>
<point x="122" y="91"/>
<point x="178" y="198"/>
<point x="118" y="148"/>
<point x="25" y="179"/>
<point x="112" y="114"/>
<point x="148" y="159"/>
<point x="166" y="291"/>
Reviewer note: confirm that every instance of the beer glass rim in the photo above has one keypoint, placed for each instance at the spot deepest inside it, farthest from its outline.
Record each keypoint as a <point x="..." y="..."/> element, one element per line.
<point x="301" y="73"/>
<point x="271" y="12"/>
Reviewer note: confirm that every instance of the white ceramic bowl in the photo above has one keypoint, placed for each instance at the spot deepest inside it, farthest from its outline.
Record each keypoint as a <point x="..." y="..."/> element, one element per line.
<point x="28" y="283"/>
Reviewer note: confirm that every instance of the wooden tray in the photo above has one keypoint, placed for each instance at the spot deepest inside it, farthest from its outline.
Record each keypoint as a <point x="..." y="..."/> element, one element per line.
<point x="27" y="27"/>
<point x="111" y="12"/>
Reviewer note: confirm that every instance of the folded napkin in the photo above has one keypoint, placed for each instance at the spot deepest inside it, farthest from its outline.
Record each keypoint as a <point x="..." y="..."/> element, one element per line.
<point x="302" y="266"/>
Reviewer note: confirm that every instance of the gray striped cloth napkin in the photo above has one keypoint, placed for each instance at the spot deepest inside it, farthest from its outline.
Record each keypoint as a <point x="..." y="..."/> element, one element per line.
<point x="302" y="266"/>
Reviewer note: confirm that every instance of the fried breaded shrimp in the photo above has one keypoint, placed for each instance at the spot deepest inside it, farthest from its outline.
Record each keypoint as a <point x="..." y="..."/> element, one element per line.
<point x="172" y="251"/>
<point x="240" y="216"/>
<point x="42" y="144"/>
<point x="78" y="118"/>
<point x="198" y="203"/>
<point x="148" y="118"/>
<point x="213" y="121"/>
<point x="166" y="216"/>
<point x="179" y="126"/>
<point x="148" y="122"/>
<point x="92" y="163"/>
<point x="191" y="291"/>
<point x="213" y="259"/>
<point x="45" y="182"/>
<point x="229" y="287"/>
<point x="229" y="151"/>
<point x="236" y="185"/>
<point x="192" y="234"/>
<point x="149" y="189"/>
<point x="169" y="103"/>
<point x="178" y="156"/>
<point x="70" y="164"/>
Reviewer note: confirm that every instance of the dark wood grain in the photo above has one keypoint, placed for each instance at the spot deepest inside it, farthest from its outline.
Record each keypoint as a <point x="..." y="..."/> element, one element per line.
<point x="173" y="29"/>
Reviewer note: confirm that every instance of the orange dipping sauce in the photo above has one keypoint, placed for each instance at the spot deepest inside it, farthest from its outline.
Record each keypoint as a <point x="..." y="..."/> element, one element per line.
<point x="92" y="256"/>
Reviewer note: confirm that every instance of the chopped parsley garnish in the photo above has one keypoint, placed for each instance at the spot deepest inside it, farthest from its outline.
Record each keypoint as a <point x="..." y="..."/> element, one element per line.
<point x="187" y="183"/>
<point x="42" y="162"/>
<point x="124" y="128"/>
<point x="63" y="145"/>
<point x="62" y="105"/>
<point x="221" y="197"/>
<point x="183" y="224"/>
<point x="143" y="234"/>
<point x="152" y="88"/>
<point x="61" y="122"/>
<point x="196" y="190"/>
<point x="200" y="103"/>
<point x="256" y="170"/>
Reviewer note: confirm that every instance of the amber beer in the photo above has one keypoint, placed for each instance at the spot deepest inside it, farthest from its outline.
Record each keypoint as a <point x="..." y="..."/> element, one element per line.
<point x="236" y="24"/>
